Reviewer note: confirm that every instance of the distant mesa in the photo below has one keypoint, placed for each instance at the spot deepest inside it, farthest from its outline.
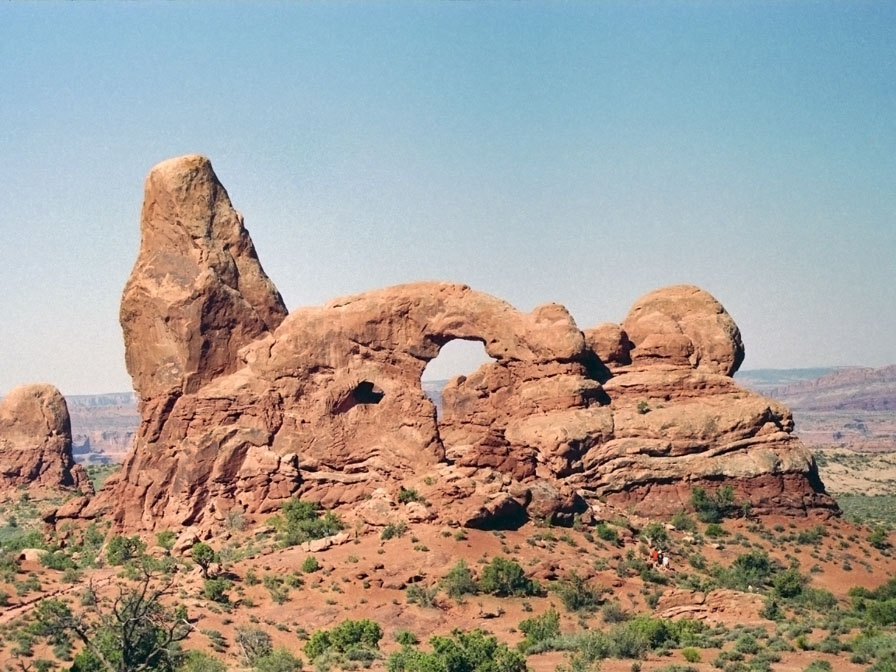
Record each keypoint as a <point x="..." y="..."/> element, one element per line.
<point x="243" y="406"/>
<point x="36" y="442"/>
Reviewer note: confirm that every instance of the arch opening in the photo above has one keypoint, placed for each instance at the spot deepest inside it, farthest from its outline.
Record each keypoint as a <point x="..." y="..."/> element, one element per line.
<point x="458" y="357"/>
<point x="363" y="393"/>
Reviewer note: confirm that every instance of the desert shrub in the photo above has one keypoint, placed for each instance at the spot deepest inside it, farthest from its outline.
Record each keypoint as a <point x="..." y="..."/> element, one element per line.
<point x="691" y="654"/>
<point x="166" y="539"/>
<point x="406" y="495"/>
<point x="310" y="565"/>
<point x="301" y="521"/>
<point x="276" y="587"/>
<point x="607" y="532"/>
<point x="811" y="536"/>
<point x="684" y="522"/>
<point x="771" y="610"/>
<point x="655" y="533"/>
<point x="879" y="538"/>
<point x="199" y="661"/>
<point x="818" y="666"/>
<point x="539" y="629"/>
<point x="714" y="531"/>
<point x="474" y="651"/>
<point x="746" y="644"/>
<point x="789" y="583"/>
<point x="393" y="530"/>
<point x="58" y="560"/>
<point x="254" y="644"/>
<point x="712" y="508"/>
<point x="503" y="577"/>
<point x="459" y="581"/>
<point x="818" y="599"/>
<point x="753" y="568"/>
<point x="421" y="595"/>
<point x="406" y="638"/>
<point x="203" y="555"/>
<point x="612" y="612"/>
<point x="122" y="549"/>
<point x="278" y="660"/>
<point x="216" y="590"/>
<point x="349" y="638"/>
<point x="576" y="594"/>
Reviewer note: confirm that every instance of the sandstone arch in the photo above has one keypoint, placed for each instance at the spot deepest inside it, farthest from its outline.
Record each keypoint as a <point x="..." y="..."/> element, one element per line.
<point x="244" y="407"/>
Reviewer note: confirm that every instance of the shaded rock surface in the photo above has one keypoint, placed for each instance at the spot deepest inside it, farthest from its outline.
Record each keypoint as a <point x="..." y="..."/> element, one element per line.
<point x="243" y="407"/>
<point x="36" y="442"/>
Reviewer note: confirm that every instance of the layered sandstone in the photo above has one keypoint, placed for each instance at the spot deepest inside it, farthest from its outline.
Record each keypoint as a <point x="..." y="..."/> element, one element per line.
<point x="243" y="407"/>
<point x="36" y="442"/>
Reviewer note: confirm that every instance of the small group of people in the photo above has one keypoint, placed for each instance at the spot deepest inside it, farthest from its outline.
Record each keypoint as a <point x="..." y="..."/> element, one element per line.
<point x="659" y="558"/>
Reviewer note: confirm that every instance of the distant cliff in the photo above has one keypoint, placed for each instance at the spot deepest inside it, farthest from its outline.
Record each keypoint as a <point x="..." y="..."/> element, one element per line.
<point x="850" y="407"/>
<point x="103" y="426"/>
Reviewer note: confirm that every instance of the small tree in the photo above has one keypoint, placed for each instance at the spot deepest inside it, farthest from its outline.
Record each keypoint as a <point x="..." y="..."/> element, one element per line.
<point x="503" y="577"/>
<point x="203" y="555"/>
<point x="133" y="633"/>
<point x="122" y="549"/>
<point x="459" y="581"/>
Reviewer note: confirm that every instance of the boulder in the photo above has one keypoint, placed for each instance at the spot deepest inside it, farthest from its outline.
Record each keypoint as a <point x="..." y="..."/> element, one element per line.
<point x="36" y="442"/>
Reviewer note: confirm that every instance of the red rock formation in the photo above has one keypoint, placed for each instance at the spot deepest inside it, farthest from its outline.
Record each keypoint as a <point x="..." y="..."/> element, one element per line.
<point x="36" y="442"/>
<point x="243" y="408"/>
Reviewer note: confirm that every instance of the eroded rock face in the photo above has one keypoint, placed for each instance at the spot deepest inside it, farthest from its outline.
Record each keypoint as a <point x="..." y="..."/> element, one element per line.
<point x="243" y="408"/>
<point x="684" y="325"/>
<point x="36" y="442"/>
<point x="197" y="293"/>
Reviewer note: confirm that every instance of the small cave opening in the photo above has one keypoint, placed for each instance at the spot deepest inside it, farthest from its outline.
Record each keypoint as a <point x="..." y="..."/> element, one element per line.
<point x="364" y="393"/>
<point x="456" y="358"/>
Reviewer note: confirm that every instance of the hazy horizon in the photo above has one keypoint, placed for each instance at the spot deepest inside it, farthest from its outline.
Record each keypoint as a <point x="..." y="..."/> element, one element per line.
<point x="579" y="153"/>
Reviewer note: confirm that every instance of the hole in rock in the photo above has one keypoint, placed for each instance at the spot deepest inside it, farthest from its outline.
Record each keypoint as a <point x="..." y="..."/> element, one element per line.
<point x="365" y="392"/>
<point x="456" y="358"/>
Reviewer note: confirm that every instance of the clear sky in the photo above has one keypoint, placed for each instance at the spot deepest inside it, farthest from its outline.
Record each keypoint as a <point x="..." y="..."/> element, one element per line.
<point x="583" y="153"/>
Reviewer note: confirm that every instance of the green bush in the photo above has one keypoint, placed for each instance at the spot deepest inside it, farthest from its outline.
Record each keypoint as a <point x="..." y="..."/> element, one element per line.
<point x="684" y="522"/>
<point x="421" y="595"/>
<point x="539" y="629"/>
<point x="409" y="495"/>
<point x="121" y="549"/>
<point x="789" y="583"/>
<point x="58" y="560"/>
<point x="301" y="521"/>
<point x="199" y="661"/>
<point x="879" y="538"/>
<point x="166" y="539"/>
<point x="344" y="638"/>
<point x="655" y="533"/>
<point x="607" y="532"/>
<point x="254" y="644"/>
<point x="474" y="651"/>
<point x="216" y="590"/>
<point x="203" y="555"/>
<point x="818" y="666"/>
<point x="712" y="508"/>
<point x="310" y="565"/>
<point x="503" y="577"/>
<point x="577" y="595"/>
<point x="748" y="569"/>
<point x="459" y="581"/>
<point x="393" y="530"/>
<point x="278" y="660"/>
<point x="691" y="654"/>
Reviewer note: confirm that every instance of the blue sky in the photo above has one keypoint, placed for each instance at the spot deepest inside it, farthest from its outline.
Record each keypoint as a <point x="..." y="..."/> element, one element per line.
<point x="583" y="153"/>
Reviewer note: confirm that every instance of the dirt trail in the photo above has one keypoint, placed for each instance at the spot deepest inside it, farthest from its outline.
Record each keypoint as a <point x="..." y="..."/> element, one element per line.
<point x="99" y="579"/>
